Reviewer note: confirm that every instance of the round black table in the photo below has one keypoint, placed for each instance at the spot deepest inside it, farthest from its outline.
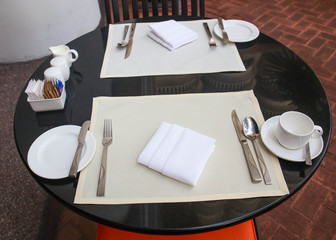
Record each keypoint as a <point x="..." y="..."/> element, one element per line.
<point x="280" y="79"/>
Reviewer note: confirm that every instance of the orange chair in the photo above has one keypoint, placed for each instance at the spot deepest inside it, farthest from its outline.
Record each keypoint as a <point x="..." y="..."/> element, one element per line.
<point x="243" y="231"/>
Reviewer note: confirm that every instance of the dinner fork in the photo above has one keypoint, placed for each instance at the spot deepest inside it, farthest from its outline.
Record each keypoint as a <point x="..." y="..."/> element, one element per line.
<point x="212" y="42"/>
<point x="107" y="140"/>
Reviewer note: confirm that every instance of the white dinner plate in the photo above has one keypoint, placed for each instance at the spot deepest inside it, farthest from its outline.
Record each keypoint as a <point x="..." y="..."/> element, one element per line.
<point x="51" y="154"/>
<point x="238" y="30"/>
<point x="298" y="155"/>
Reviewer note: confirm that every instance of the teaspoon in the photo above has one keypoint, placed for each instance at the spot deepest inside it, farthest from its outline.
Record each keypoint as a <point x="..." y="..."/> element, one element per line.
<point x="251" y="131"/>
<point x="308" y="156"/>
<point x="123" y="43"/>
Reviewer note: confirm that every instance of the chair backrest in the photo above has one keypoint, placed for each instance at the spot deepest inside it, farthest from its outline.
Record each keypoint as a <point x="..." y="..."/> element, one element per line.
<point x="121" y="10"/>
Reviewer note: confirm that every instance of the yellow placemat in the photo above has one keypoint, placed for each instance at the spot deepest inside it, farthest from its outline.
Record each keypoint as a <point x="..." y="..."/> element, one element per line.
<point x="135" y="119"/>
<point x="150" y="58"/>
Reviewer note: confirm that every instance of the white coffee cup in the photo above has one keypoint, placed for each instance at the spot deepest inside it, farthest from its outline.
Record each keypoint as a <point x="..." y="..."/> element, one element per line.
<point x="295" y="129"/>
<point x="65" y="51"/>
<point x="62" y="64"/>
<point x="53" y="74"/>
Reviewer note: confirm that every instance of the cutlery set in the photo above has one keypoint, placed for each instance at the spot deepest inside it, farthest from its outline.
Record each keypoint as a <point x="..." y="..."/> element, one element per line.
<point x="212" y="42"/>
<point x="123" y="43"/>
<point x="128" y="44"/>
<point x="249" y="130"/>
<point x="107" y="140"/>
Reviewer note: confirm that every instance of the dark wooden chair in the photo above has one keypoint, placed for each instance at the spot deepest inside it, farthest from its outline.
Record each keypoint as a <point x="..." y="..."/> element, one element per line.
<point x="121" y="10"/>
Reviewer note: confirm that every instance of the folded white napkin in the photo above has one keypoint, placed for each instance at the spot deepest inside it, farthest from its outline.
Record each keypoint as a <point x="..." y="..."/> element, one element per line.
<point x="171" y="34"/>
<point x="178" y="152"/>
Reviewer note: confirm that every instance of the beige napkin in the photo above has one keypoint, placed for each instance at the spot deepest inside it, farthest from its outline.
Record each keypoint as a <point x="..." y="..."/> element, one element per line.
<point x="178" y="152"/>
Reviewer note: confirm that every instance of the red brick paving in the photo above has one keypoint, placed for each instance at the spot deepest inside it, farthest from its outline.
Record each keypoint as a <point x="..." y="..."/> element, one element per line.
<point x="309" y="29"/>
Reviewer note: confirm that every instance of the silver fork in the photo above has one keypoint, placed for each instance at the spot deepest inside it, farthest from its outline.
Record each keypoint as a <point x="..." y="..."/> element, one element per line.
<point x="107" y="140"/>
<point x="212" y="42"/>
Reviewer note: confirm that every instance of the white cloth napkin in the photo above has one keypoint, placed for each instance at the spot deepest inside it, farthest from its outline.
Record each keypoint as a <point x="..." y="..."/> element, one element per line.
<point x="178" y="152"/>
<point x="171" y="34"/>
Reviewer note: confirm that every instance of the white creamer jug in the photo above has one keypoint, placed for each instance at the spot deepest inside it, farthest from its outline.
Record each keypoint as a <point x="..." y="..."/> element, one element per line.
<point x="70" y="55"/>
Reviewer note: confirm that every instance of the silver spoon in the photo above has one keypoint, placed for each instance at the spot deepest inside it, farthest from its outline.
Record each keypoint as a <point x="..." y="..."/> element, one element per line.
<point x="308" y="159"/>
<point x="123" y="43"/>
<point x="251" y="131"/>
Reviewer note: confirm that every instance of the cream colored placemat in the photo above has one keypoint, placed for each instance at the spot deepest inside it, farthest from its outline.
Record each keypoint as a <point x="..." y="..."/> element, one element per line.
<point x="150" y="58"/>
<point x="135" y="119"/>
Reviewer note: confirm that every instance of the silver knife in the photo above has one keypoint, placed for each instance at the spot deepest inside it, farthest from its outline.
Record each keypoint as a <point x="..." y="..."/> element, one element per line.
<point x="130" y="41"/>
<point x="221" y="25"/>
<point x="253" y="169"/>
<point x="81" y="140"/>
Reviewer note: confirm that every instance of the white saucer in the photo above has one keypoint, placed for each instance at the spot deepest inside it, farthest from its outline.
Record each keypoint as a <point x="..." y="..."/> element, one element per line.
<point x="51" y="154"/>
<point x="269" y="139"/>
<point x="238" y="30"/>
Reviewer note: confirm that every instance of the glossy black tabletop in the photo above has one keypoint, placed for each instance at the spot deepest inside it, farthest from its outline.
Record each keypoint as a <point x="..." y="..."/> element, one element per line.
<point x="280" y="79"/>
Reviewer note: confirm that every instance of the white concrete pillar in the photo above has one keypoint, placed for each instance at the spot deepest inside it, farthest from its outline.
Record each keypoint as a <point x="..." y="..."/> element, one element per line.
<point x="29" y="27"/>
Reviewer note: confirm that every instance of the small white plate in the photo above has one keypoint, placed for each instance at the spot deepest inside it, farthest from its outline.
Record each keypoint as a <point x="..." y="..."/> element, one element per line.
<point x="269" y="139"/>
<point x="238" y="30"/>
<point x="51" y="154"/>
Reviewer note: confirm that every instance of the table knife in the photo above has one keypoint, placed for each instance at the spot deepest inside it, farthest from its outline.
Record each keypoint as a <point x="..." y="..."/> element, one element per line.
<point x="221" y="25"/>
<point x="252" y="166"/>
<point x="130" y="41"/>
<point x="81" y="140"/>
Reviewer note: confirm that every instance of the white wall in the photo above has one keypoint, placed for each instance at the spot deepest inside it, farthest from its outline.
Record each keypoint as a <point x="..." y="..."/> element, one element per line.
<point x="29" y="27"/>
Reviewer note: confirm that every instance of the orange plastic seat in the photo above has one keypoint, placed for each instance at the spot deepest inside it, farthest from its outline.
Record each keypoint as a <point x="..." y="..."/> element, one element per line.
<point x="243" y="231"/>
